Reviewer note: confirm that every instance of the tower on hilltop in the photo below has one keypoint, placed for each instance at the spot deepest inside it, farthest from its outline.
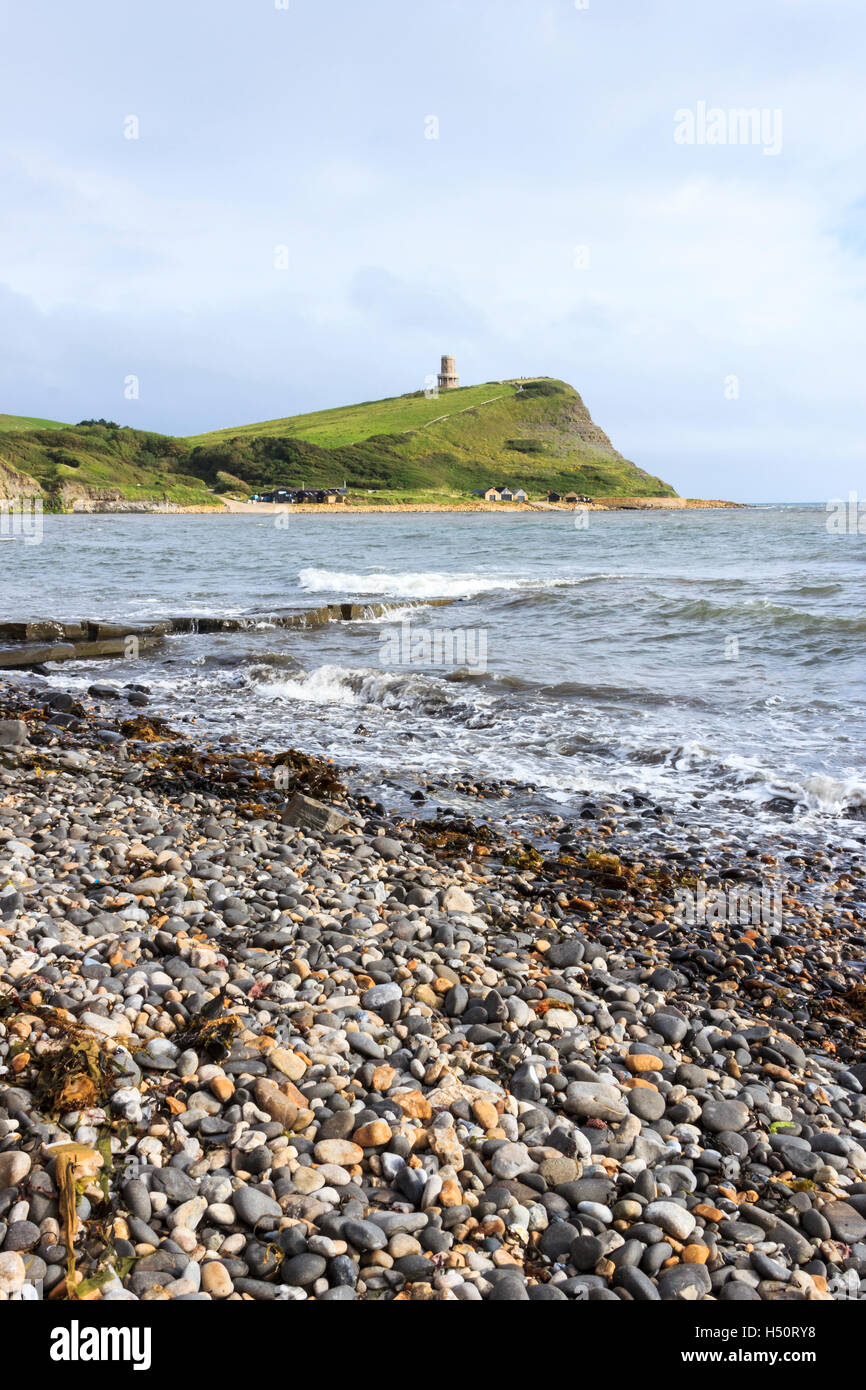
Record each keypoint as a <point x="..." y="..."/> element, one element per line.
<point x="448" y="377"/>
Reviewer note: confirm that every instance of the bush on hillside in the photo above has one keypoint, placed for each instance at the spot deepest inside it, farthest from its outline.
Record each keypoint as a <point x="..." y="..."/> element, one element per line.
<point x="542" y="388"/>
<point x="525" y="446"/>
<point x="227" y="482"/>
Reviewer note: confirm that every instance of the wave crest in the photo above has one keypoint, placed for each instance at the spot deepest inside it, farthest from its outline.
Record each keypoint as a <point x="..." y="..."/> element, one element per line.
<point x="423" y="584"/>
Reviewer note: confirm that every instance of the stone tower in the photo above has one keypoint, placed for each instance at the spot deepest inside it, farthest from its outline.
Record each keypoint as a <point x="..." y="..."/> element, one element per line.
<point x="448" y="377"/>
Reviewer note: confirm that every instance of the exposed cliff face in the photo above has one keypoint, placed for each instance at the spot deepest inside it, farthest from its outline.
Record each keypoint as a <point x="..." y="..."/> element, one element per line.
<point x="80" y="497"/>
<point x="14" y="484"/>
<point x="577" y="420"/>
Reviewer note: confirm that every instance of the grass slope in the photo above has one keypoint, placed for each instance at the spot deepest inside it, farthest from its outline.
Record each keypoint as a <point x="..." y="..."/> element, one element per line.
<point x="134" y="464"/>
<point x="535" y="434"/>
<point x="18" y="424"/>
<point x="350" y="424"/>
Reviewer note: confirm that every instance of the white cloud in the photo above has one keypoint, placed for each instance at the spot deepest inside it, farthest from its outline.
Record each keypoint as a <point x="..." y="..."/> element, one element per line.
<point x="556" y="131"/>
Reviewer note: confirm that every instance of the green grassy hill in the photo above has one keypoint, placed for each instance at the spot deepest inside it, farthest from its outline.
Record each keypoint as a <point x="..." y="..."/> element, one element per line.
<point x="349" y="424"/>
<point x="102" y="459"/>
<point x="16" y="424"/>
<point x="536" y="434"/>
<point x="533" y="434"/>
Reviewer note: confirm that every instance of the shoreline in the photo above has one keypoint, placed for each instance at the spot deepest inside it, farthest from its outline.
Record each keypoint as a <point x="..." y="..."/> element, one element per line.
<point x="234" y="508"/>
<point x="338" y="1053"/>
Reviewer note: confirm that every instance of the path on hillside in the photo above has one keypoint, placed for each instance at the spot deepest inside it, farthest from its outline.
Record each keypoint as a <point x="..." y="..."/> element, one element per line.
<point x="413" y="429"/>
<point x="461" y="411"/>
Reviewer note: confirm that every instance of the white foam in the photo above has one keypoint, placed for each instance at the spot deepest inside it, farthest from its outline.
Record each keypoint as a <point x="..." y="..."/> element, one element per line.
<point x="423" y="692"/>
<point x="424" y="584"/>
<point x="326" y="685"/>
<point x="831" y="794"/>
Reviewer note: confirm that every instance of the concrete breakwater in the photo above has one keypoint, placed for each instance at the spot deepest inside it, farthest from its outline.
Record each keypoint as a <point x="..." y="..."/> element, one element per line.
<point x="32" y="643"/>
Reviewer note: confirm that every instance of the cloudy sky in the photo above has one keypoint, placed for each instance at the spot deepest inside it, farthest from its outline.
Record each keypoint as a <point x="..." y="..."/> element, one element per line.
<point x="325" y="195"/>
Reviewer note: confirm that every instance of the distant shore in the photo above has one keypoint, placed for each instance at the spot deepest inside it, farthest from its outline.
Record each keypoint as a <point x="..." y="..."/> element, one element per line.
<point x="231" y="507"/>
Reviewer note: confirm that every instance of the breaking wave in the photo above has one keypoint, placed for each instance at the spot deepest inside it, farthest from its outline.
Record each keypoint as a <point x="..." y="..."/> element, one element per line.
<point x="433" y="584"/>
<point x="339" y="685"/>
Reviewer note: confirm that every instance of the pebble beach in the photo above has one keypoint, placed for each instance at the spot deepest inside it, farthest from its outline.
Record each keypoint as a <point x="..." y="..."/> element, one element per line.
<point x="263" y="1039"/>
